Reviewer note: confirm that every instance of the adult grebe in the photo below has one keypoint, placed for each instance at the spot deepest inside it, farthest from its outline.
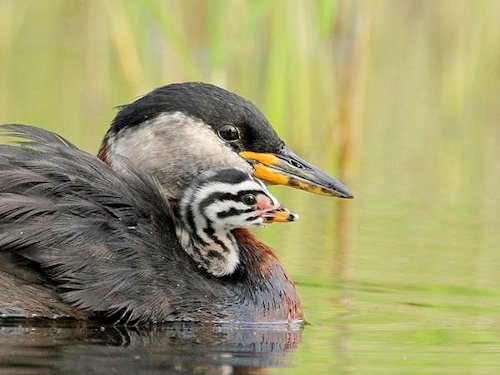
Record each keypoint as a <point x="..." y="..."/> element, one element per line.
<point x="84" y="238"/>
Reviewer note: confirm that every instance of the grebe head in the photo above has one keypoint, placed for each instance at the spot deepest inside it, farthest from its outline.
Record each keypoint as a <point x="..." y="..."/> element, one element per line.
<point x="178" y="131"/>
<point x="217" y="202"/>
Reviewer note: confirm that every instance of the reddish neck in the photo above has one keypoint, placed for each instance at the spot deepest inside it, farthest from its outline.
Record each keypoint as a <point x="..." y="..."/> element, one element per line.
<point x="265" y="271"/>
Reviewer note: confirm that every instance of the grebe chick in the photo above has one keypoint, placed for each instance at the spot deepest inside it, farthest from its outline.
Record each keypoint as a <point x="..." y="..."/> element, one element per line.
<point x="216" y="203"/>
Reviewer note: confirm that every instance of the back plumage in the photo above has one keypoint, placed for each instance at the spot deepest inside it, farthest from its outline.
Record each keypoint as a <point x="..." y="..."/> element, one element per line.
<point x="82" y="223"/>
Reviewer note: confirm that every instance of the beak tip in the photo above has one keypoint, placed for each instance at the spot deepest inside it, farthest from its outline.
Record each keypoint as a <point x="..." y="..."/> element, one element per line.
<point x="340" y="191"/>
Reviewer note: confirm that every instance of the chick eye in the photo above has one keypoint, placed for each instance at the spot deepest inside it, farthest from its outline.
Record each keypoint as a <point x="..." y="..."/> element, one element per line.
<point x="229" y="133"/>
<point x="249" y="199"/>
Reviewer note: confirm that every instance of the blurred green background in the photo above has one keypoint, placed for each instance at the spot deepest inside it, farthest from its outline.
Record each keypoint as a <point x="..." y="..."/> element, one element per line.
<point x="398" y="99"/>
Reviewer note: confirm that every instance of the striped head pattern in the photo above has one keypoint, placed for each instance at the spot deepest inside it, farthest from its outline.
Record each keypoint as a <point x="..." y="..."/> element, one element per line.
<point x="217" y="202"/>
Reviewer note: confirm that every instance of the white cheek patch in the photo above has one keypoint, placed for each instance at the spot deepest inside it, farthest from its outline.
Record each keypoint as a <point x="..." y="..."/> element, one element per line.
<point x="175" y="149"/>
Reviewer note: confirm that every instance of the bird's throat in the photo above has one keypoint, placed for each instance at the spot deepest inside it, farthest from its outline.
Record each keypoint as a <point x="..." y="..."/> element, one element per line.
<point x="214" y="251"/>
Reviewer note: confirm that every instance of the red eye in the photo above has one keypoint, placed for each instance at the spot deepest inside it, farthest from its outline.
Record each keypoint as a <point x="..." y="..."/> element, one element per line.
<point x="229" y="133"/>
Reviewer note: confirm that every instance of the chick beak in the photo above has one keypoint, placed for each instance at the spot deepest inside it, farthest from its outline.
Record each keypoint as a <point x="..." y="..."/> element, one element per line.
<point x="281" y="215"/>
<point x="274" y="212"/>
<point x="286" y="168"/>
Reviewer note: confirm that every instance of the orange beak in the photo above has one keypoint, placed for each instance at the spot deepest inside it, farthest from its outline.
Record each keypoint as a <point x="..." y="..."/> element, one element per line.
<point x="273" y="212"/>
<point x="286" y="168"/>
<point x="280" y="215"/>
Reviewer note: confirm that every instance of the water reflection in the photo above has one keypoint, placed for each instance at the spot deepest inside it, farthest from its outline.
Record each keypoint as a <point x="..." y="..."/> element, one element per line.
<point x="55" y="347"/>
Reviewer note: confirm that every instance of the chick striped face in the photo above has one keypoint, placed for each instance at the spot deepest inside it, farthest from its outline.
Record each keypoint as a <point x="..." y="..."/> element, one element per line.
<point x="226" y="205"/>
<point x="216" y="203"/>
